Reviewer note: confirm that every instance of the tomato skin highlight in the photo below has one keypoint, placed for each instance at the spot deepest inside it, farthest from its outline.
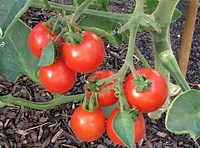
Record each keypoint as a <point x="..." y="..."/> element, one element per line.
<point x="108" y="98"/>
<point x="139" y="126"/>
<point x="147" y="101"/>
<point x="86" y="56"/>
<point x="57" y="77"/>
<point x="39" y="38"/>
<point x="88" y="126"/>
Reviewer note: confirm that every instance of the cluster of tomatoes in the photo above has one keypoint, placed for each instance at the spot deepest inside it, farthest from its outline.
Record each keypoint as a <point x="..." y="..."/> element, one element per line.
<point x="89" y="126"/>
<point x="60" y="76"/>
<point x="85" y="57"/>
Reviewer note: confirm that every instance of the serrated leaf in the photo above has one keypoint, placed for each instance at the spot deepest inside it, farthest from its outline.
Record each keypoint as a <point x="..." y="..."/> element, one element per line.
<point x="123" y="127"/>
<point x="8" y="12"/>
<point x="183" y="115"/>
<point x="16" y="59"/>
<point x="48" y="55"/>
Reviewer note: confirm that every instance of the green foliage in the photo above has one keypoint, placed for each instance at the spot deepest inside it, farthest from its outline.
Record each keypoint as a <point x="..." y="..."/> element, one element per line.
<point x="9" y="9"/>
<point x="123" y="126"/>
<point x="151" y="6"/>
<point x="103" y="27"/>
<point x="97" y="4"/>
<point x="183" y="115"/>
<point x="48" y="55"/>
<point x="16" y="59"/>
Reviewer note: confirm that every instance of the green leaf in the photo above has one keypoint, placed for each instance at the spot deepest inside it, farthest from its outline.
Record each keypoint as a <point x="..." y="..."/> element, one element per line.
<point x="9" y="11"/>
<point x="151" y="6"/>
<point x="114" y="39"/>
<point x="108" y="109"/>
<point x="176" y="15"/>
<point x="101" y="23"/>
<point x="102" y="27"/>
<point x="97" y="4"/>
<point x="123" y="127"/>
<point x="183" y="115"/>
<point x="16" y="59"/>
<point x="48" y="55"/>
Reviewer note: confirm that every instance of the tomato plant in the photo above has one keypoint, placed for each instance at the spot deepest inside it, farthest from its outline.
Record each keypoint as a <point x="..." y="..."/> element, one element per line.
<point x="39" y="38"/>
<point x="88" y="125"/>
<point x="83" y="51"/>
<point x="57" y="77"/>
<point x="107" y="98"/>
<point x="153" y="98"/>
<point x="85" y="56"/>
<point x="139" y="127"/>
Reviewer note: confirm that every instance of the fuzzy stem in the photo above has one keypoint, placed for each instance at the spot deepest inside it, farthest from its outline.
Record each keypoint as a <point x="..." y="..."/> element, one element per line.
<point x="109" y="15"/>
<point x="80" y="10"/>
<point x="58" y="100"/>
<point x="161" y="41"/>
<point x="141" y="57"/>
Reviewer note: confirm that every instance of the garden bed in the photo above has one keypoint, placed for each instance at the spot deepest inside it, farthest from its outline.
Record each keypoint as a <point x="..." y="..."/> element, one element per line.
<point x="24" y="127"/>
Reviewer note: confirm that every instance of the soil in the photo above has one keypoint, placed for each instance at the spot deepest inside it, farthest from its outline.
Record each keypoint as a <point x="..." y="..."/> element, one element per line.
<point x="24" y="127"/>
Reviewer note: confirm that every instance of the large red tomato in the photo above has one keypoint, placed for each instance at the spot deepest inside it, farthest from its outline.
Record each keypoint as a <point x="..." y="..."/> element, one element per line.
<point x="85" y="56"/>
<point x="57" y="77"/>
<point x="139" y="128"/>
<point x="108" y="98"/>
<point x="147" y="101"/>
<point x="86" y="125"/>
<point x="39" y="38"/>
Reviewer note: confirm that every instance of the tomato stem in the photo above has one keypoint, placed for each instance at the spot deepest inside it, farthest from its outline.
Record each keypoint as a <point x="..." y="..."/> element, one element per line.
<point x="58" y="100"/>
<point x="161" y="41"/>
<point x="79" y="10"/>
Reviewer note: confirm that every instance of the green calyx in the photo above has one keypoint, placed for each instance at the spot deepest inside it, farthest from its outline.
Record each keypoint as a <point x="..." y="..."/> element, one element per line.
<point x="142" y="84"/>
<point x="92" y="85"/>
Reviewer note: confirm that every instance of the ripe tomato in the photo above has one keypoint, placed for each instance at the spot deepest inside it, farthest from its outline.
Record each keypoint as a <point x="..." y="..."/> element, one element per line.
<point x="147" y="101"/>
<point x="85" y="56"/>
<point x="39" y="38"/>
<point x="86" y="125"/>
<point x="57" y="77"/>
<point x="108" y="98"/>
<point x="139" y="128"/>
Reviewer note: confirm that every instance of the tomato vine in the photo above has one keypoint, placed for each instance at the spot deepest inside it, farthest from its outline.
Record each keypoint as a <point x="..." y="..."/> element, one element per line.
<point x="74" y="43"/>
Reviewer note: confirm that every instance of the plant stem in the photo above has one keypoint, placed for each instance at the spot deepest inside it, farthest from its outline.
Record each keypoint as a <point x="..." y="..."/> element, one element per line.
<point x="161" y="41"/>
<point x="188" y="30"/>
<point x="69" y="8"/>
<point x="46" y="3"/>
<point x="141" y="57"/>
<point x="41" y="105"/>
<point x="80" y="10"/>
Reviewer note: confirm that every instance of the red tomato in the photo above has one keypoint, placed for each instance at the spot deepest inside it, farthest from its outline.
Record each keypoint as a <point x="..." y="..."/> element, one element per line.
<point x="108" y="98"/>
<point x="57" y="77"/>
<point x="85" y="56"/>
<point x="147" y="101"/>
<point x="139" y="127"/>
<point x="39" y="38"/>
<point x="86" y="125"/>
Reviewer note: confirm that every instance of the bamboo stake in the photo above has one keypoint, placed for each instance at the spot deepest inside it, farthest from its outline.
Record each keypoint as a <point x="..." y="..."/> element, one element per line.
<point x="187" y="35"/>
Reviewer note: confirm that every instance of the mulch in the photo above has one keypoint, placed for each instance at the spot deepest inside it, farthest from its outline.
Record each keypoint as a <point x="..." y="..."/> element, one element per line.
<point x="25" y="127"/>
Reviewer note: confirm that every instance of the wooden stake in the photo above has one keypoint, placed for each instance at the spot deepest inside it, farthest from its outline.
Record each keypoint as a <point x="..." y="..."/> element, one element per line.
<point x="187" y="35"/>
